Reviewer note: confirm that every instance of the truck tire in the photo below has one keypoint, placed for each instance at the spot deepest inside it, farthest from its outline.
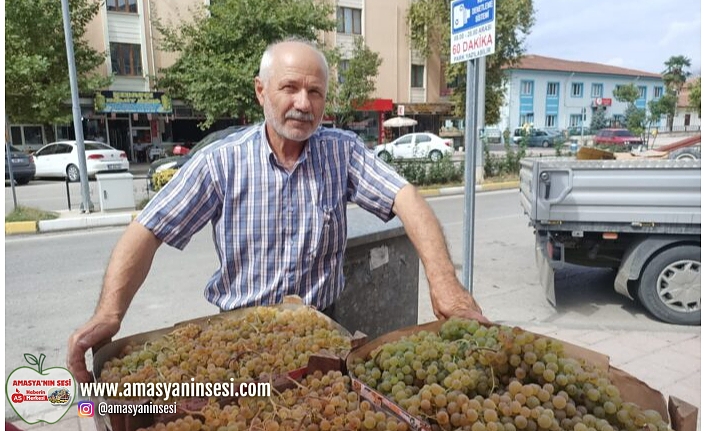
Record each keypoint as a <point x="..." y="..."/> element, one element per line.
<point x="690" y="153"/>
<point x="670" y="285"/>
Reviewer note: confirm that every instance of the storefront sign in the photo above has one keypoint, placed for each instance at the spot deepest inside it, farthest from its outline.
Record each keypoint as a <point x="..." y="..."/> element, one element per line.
<point x="132" y="102"/>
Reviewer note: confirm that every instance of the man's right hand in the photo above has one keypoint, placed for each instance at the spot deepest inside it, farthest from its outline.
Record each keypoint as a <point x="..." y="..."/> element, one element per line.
<point x="97" y="330"/>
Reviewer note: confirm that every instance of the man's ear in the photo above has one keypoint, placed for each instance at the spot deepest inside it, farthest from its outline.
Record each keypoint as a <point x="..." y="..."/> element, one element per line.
<point x="259" y="90"/>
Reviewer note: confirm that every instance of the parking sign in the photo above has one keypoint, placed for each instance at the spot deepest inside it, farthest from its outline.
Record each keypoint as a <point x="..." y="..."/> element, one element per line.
<point x="472" y="29"/>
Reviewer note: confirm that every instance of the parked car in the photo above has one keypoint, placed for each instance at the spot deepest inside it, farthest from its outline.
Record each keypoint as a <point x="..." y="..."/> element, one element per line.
<point x="415" y="146"/>
<point x="23" y="167"/>
<point x="622" y="137"/>
<point x="538" y="137"/>
<point x="176" y="162"/>
<point x="60" y="160"/>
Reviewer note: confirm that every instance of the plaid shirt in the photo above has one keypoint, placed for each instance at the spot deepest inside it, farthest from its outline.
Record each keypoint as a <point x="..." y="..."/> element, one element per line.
<point x="276" y="232"/>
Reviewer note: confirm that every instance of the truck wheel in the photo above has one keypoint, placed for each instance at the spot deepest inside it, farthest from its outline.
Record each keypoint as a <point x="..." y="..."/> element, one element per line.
<point x="686" y="154"/>
<point x="670" y="286"/>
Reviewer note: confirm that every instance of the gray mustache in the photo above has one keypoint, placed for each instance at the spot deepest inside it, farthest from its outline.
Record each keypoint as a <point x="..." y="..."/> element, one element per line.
<point x="299" y="115"/>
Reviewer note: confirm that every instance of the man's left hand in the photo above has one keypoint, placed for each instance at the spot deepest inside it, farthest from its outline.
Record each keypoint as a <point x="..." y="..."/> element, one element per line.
<point x="453" y="299"/>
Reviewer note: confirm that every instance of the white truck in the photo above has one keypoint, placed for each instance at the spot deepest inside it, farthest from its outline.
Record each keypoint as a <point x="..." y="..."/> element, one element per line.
<point x="641" y="217"/>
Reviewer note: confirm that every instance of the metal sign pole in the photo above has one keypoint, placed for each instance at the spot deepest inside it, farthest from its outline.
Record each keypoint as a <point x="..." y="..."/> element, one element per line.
<point x="469" y="174"/>
<point x="86" y="204"/>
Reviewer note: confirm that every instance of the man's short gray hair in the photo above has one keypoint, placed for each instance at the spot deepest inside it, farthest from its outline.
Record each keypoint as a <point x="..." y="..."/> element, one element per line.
<point x="266" y="62"/>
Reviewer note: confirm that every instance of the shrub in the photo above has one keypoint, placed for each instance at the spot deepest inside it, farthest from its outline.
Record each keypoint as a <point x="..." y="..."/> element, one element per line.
<point x="422" y="172"/>
<point x="161" y="178"/>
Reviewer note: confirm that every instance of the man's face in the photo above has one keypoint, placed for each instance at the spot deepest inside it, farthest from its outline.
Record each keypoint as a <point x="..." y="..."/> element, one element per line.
<point x="294" y="93"/>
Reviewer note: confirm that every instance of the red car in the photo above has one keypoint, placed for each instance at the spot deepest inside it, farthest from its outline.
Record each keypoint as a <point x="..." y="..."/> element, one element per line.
<point x="616" y="137"/>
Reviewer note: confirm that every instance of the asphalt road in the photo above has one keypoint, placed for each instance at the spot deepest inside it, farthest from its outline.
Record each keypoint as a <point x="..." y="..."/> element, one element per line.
<point x="52" y="282"/>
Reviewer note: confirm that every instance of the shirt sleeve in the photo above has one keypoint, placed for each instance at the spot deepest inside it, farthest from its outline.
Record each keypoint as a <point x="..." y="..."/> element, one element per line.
<point x="185" y="204"/>
<point x="372" y="184"/>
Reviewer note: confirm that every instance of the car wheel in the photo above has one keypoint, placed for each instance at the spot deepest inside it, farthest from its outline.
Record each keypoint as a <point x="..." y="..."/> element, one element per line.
<point x="670" y="286"/>
<point x="435" y="155"/>
<point x="72" y="173"/>
<point x="385" y="156"/>
<point x="686" y="154"/>
<point x="22" y="181"/>
<point x="545" y="144"/>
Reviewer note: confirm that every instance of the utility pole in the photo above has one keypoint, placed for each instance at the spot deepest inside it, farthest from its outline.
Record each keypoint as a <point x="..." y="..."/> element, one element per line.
<point x="86" y="204"/>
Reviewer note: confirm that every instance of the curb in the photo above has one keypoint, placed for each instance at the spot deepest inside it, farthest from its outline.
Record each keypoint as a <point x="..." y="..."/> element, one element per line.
<point x="123" y="219"/>
<point x="457" y="190"/>
<point x="66" y="224"/>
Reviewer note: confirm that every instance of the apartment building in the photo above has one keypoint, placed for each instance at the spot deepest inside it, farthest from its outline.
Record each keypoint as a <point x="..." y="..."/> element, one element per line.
<point x="407" y="83"/>
<point x="130" y="115"/>
<point x="686" y="119"/>
<point x="554" y="93"/>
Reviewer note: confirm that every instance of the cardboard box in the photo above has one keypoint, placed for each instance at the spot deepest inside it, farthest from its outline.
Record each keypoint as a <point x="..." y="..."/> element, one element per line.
<point x="683" y="415"/>
<point x="127" y="422"/>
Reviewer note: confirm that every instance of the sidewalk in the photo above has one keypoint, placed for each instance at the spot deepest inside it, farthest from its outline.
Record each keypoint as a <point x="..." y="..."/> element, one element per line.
<point x="75" y="220"/>
<point x="667" y="361"/>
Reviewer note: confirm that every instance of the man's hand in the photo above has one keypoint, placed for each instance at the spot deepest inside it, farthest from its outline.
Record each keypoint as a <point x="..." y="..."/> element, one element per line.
<point x="452" y="299"/>
<point x="97" y="330"/>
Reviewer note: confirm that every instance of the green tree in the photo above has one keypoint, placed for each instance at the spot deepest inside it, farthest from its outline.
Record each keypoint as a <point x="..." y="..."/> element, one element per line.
<point x="674" y="77"/>
<point x="220" y="51"/>
<point x="695" y="95"/>
<point x="357" y="82"/>
<point x="598" y="118"/>
<point x="429" y="27"/>
<point x="634" y="117"/>
<point x="36" y="67"/>
<point x="658" y="108"/>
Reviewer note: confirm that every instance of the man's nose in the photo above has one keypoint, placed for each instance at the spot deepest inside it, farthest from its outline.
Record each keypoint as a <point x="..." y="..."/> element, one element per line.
<point x="301" y="100"/>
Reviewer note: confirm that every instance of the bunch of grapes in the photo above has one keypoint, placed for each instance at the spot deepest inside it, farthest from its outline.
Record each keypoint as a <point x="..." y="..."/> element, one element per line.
<point x="478" y="378"/>
<point x="321" y="402"/>
<point x="263" y="342"/>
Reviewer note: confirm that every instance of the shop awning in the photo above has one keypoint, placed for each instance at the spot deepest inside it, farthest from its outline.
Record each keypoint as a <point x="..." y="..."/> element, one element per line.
<point x="131" y="102"/>
<point x="379" y="105"/>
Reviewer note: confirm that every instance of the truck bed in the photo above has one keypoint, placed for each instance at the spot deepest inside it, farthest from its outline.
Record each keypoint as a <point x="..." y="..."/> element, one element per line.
<point x="639" y="196"/>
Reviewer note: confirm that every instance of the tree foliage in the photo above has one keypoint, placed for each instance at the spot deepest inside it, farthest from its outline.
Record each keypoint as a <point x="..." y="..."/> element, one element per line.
<point x="674" y="77"/>
<point x="598" y="118"/>
<point x="627" y="93"/>
<point x="220" y="51"/>
<point x="695" y="95"/>
<point x="37" y="82"/>
<point x="429" y="26"/>
<point x="357" y="82"/>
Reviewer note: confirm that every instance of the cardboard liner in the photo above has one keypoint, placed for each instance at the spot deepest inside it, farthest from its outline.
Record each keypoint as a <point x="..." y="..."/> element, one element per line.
<point x="683" y="415"/>
<point x="127" y="422"/>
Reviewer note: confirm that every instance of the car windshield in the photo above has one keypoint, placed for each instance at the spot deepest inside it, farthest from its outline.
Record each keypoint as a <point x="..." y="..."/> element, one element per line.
<point x="15" y="149"/>
<point x="210" y="138"/>
<point x="623" y="133"/>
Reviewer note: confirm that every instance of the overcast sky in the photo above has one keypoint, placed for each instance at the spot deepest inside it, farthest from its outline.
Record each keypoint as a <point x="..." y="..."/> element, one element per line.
<point x="634" y="34"/>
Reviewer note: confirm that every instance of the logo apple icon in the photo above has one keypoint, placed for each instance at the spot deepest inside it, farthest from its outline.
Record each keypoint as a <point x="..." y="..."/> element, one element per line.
<point x="38" y="394"/>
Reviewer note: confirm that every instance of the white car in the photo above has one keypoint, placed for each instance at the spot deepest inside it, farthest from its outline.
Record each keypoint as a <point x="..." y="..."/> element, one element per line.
<point x="415" y="146"/>
<point x="60" y="159"/>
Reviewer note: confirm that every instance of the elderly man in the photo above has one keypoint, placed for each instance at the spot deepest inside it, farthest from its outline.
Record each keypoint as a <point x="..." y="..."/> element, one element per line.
<point x="275" y="195"/>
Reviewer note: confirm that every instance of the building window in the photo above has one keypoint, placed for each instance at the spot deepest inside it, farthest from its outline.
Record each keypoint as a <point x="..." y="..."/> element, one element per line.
<point x="122" y="5"/>
<point x="553" y="89"/>
<point x="550" y="121"/>
<point x="643" y="92"/>
<point x="342" y="67"/>
<point x="27" y="135"/>
<point x="526" y="88"/>
<point x="527" y="118"/>
<point x="657" y="93"/>
<point x="575" y="120"/>
<point x="596" y="90"/>
<point x="349" y="21"/>
<point x="576" y="89"/>
<point x="126" y="59"/>
<point x="687" y="120"/>
<point x="417" y="76"/>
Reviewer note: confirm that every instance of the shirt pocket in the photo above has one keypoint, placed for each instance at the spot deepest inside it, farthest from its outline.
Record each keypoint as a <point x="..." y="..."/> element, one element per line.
<point x="329" y="230"/>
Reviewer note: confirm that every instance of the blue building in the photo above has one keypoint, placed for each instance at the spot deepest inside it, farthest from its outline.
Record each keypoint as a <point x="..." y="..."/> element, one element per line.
<point x="553" y="93"/>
